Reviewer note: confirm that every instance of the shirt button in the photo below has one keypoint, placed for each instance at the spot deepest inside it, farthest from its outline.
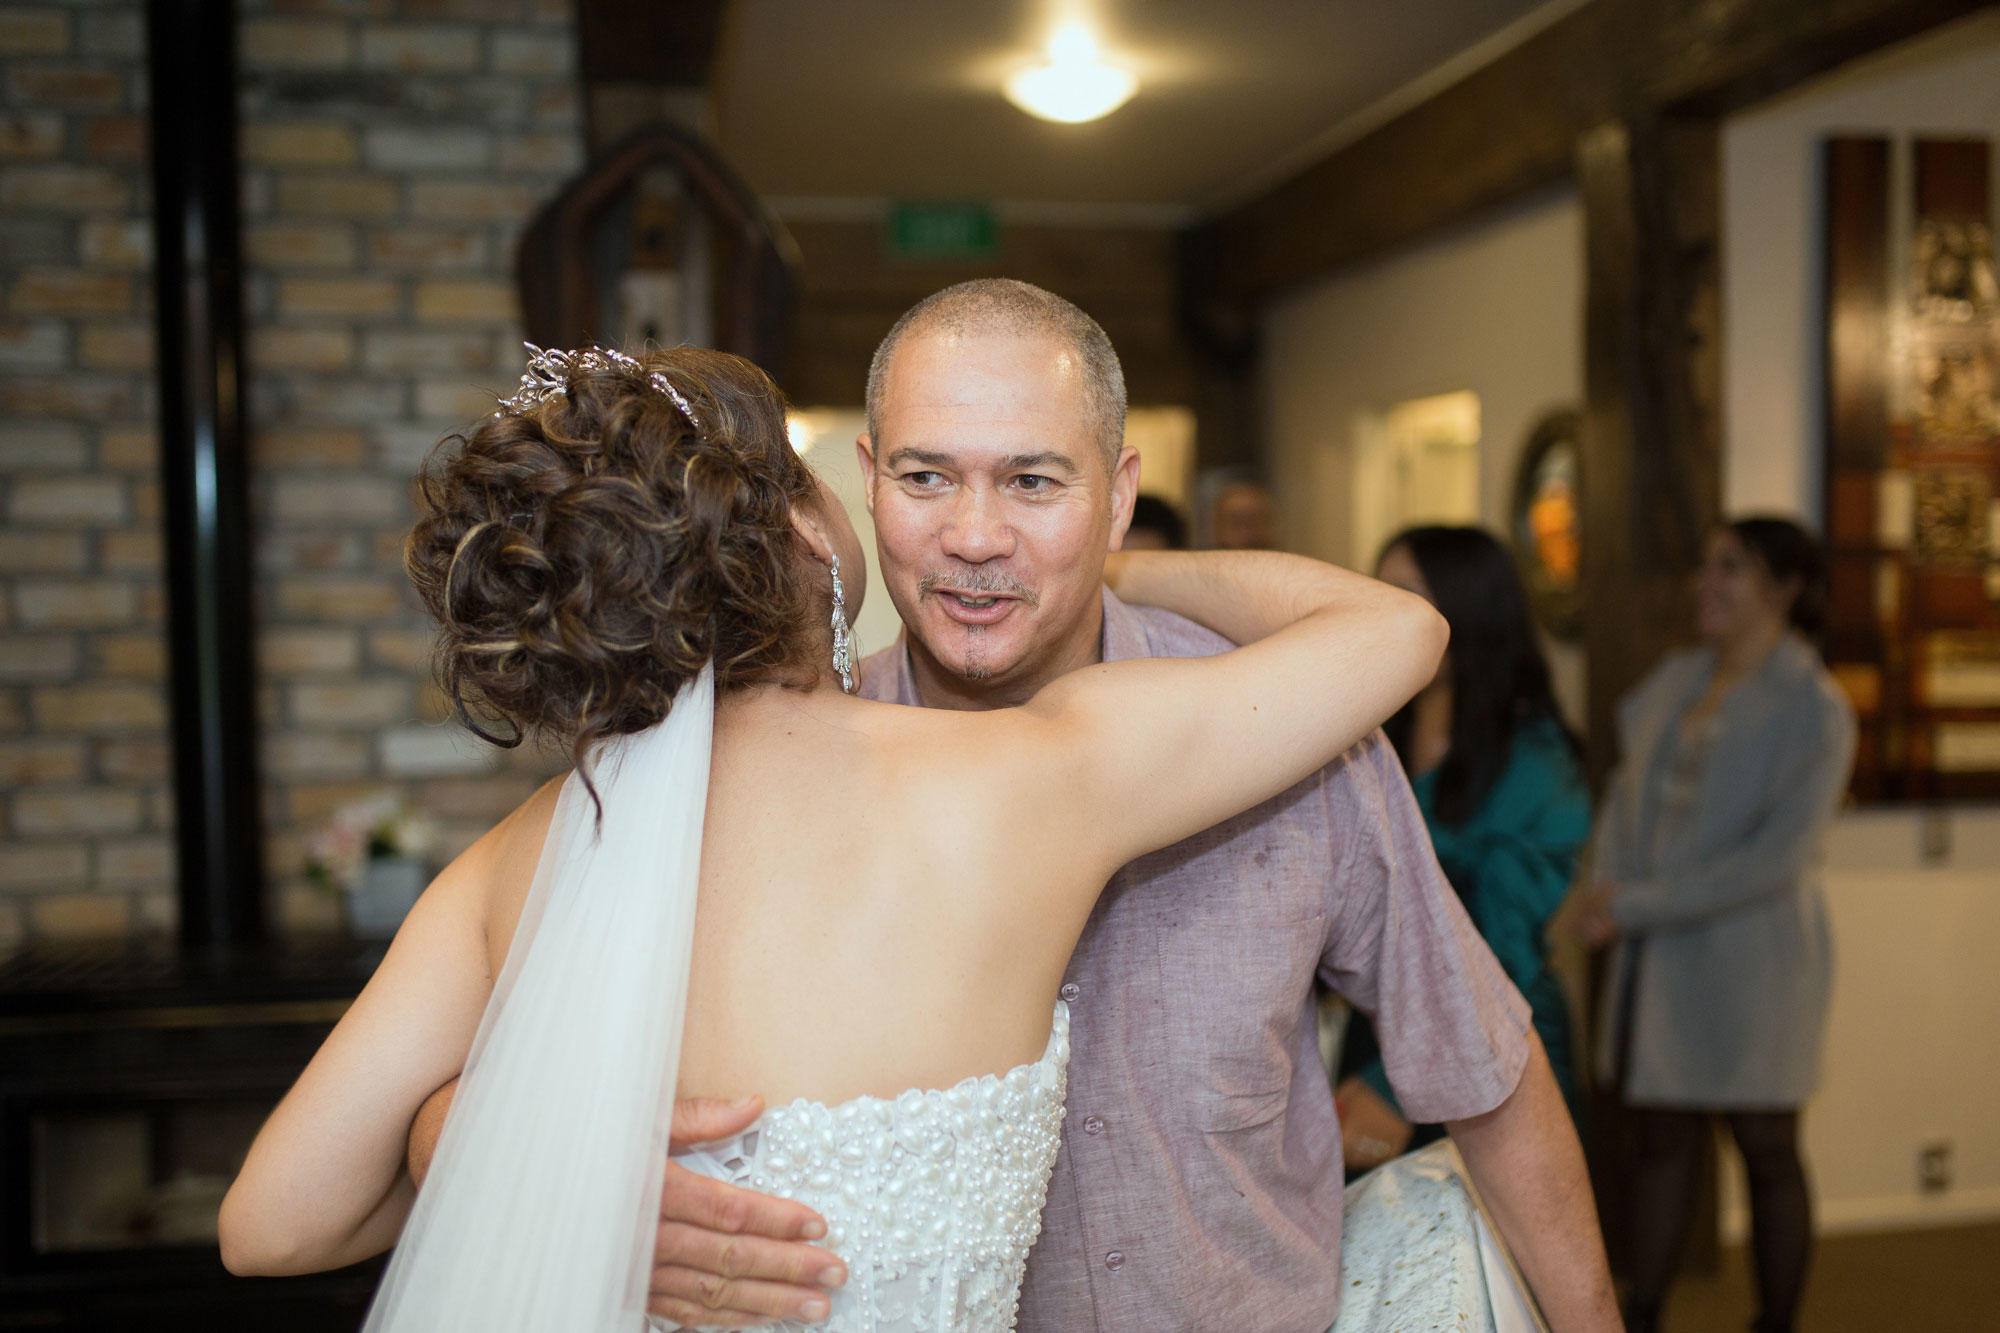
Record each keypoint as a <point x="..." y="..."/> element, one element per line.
<point x="1070" y="990"/>
<point x="1093" y="1124"/>
<point x="1115" y="1260"/>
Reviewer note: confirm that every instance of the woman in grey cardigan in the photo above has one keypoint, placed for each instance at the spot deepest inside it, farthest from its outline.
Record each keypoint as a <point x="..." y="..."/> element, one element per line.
<point x="1706" y="861"/>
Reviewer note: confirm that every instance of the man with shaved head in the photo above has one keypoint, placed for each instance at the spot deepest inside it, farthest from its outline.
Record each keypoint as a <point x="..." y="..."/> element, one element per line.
<point x="1002" y="307"/>
<point x="998" y="574"/>
<point x="1199" y="1184"/>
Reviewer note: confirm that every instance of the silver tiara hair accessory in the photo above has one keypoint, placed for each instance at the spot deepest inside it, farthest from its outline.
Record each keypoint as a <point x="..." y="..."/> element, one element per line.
<point x="551" y="369"/>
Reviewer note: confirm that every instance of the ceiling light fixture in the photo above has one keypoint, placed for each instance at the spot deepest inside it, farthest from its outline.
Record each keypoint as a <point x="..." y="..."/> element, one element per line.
<point x="1075" y="84"/>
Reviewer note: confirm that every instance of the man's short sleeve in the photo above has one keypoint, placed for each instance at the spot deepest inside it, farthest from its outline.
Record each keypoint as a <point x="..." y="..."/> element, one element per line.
<point x="1452" y="1027"/>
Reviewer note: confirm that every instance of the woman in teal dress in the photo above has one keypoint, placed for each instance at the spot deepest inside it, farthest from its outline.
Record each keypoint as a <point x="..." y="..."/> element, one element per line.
<point x="1499" y="780"/>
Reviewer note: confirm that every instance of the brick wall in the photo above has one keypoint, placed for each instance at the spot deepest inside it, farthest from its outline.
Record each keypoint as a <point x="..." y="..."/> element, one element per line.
<point x="389" y="163"/>
<point x="392" y="150"/>
<point x="83" y="754"/>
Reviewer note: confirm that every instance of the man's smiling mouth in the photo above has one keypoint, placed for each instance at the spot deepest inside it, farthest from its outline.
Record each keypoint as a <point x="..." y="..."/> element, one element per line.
<point x="977" y="598"/>
<point x="976" y="608"/>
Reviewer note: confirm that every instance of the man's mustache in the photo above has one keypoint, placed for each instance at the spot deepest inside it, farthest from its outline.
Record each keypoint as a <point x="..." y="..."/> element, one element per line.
<point x="978" y="581"/>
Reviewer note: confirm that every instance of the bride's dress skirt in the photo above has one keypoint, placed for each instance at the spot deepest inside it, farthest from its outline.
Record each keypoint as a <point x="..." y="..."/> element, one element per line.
<point x="1418" y="1255"/>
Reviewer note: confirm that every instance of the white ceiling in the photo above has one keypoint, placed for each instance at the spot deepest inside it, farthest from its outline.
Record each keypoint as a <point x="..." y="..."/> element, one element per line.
<point x="901" y="98"/>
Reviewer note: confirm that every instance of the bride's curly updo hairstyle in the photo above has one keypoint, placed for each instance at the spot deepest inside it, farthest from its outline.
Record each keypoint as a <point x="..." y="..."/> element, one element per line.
<point x="586" y="554"/>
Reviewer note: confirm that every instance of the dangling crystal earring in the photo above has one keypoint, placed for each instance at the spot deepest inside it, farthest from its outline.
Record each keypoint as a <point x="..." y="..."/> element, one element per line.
<point x="843" y="661"/>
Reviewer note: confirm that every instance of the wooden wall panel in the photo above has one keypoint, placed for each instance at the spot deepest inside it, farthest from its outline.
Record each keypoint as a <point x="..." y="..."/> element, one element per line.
<point x="1857" y="442"/>
<point x="1857" y="315"/>
<point x="1913" y="461"/>
<point x="1952" y="178"/>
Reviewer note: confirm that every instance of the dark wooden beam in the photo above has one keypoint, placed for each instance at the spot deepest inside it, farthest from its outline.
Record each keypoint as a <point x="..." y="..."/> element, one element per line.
<point x="1513" y="124"/>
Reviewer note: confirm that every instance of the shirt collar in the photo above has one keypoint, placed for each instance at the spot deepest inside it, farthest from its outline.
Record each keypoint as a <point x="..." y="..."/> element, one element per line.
<point x="1124" y="633"/>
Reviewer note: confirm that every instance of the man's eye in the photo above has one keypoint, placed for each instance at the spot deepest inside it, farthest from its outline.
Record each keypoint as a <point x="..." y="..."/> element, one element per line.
<point x="1035" y="483"/>
<point x="922" y="478"/>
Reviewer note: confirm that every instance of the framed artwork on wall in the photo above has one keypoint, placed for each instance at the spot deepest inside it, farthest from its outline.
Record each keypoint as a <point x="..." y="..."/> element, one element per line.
<point x="1913" y="462"/>
<point x="1545" y="521"/>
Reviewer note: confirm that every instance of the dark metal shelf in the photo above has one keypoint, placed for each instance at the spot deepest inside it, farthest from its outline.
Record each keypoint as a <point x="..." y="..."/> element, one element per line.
<point x="52" y="981"/>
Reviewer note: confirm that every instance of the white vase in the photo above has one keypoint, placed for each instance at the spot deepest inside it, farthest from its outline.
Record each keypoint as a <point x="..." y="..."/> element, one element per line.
<point x="388" y="889"/>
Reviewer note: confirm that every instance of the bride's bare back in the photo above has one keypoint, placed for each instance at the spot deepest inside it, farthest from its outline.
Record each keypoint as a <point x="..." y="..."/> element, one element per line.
<point x="880" y="907"/>
<point x="861" y="924"/>
<point x="877" y="909"/>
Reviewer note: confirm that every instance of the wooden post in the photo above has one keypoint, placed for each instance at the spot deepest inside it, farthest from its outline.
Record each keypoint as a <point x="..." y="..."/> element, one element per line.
<point x="1651" y="475"/>
<point x="1652" y="354"/>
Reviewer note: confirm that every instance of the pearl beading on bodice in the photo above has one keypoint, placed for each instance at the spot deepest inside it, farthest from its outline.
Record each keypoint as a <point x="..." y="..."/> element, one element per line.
<point x="933" y="1198"/>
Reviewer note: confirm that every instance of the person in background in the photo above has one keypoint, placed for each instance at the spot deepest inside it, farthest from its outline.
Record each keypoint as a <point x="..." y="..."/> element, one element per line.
<point x="1499" y="780"/>
<point x="1156" y="526"/>
<point x="1240" y="518"/>
<point x="1734" y="758"/>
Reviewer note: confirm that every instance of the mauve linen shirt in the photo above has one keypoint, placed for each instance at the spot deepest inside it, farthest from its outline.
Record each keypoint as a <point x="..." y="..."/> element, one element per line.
<point x="1199" y="1182"/>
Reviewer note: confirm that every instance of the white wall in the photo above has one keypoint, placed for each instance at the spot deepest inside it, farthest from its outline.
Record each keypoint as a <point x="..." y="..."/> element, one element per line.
<point x="1495" y="307"/>
<point x="1913" y="1052"/>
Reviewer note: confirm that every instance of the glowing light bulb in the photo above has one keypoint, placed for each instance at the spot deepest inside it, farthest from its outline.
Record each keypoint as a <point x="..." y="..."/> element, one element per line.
<point x="1075" y="84"/>
<point x="800" y="432"/>
<point x="1072" y="44"/>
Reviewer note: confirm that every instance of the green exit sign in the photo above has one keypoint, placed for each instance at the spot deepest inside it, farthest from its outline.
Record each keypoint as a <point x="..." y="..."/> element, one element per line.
<point x="943" y="231"/>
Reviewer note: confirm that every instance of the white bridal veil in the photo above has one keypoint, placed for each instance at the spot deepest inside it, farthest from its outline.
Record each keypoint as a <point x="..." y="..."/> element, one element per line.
<point x="540" y="1208"/>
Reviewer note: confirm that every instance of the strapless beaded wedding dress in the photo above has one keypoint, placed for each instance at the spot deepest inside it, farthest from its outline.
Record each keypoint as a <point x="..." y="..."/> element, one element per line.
<point x="932" y="1198"/>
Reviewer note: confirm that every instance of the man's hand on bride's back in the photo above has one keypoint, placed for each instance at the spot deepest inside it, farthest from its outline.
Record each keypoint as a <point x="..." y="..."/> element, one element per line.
<point x="732" y="1256"/>
<point x="724" y="1256"/>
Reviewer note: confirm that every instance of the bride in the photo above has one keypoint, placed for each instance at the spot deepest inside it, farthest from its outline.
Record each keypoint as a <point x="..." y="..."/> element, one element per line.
<point x="752" y="879"/>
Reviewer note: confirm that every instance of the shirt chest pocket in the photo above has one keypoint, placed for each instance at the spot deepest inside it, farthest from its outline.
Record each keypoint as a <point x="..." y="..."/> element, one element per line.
<point x="1233" y="995"/>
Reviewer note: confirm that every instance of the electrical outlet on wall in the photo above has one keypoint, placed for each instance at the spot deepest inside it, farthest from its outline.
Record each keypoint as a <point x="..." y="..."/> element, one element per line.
<point x="1936" y="836"/>
<point x="1934" y="1167"/>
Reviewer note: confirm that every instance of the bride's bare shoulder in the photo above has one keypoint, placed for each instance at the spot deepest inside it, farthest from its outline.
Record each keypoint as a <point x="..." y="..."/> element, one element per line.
<point x="488" y="882"/>
<point x="919" y="730"/>
<point x="1002" y="756"/>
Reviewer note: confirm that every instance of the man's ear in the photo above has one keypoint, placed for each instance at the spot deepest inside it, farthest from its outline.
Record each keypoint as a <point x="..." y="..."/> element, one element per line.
<point x="1124" y="493"/>
<point x="864" y="454"/>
